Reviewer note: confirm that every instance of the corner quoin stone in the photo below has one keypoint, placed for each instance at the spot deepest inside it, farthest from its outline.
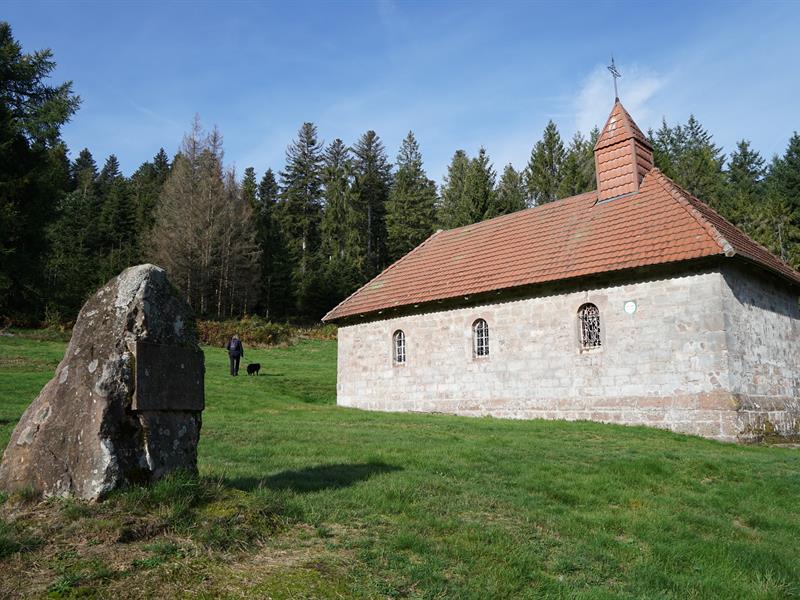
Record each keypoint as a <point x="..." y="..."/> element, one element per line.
<point x="125" y="403"/>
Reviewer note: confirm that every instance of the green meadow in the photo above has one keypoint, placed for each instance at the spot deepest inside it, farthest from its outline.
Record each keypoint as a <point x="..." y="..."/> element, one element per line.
<point x="298" y="498"/>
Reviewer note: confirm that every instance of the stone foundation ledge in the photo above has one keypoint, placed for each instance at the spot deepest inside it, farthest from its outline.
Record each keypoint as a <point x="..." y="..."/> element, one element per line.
<point x="717" y="415"/>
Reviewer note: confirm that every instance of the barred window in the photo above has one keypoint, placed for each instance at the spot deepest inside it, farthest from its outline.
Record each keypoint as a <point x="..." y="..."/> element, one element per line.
<point x="589" y="321"/>
<point x="399" y="347"/>
<point x="480" y="338"/>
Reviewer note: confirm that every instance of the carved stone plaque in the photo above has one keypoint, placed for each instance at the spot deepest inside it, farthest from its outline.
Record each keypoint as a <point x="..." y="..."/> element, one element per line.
<point x="168" y="378"/>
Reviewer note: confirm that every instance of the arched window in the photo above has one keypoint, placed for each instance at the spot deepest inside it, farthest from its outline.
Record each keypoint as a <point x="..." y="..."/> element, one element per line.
<point x="589" y="322"/>
<point x="480" y="338"/>
<point x="399" y="347"/>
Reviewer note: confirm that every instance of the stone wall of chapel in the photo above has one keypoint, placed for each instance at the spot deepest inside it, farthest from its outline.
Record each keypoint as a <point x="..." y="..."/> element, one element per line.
<point x="762" y="323"/>
<point x="664" y="365"/>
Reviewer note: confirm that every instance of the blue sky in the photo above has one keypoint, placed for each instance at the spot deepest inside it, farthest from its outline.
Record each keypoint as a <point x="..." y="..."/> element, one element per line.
<point x="459" y="74"/>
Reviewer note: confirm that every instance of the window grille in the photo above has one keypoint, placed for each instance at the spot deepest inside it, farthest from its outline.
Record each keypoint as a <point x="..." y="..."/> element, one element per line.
<point x="480" y="338"/>
<point x="589" y="318"/>
<point x="399" y="346"/>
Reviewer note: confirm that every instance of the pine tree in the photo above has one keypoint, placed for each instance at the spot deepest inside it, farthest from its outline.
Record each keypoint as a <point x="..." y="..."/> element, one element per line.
<point x="301" y="210"/>
<point x="410" y="210"/>
<point x="543" y="174"/>
<point x="453" y="190"/>
<point x="510" y="191"/>
<point x="371" y="184"/>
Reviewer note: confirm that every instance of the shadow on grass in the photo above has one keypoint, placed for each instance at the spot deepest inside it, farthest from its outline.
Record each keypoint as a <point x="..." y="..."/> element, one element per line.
<point x="315" y="479"/>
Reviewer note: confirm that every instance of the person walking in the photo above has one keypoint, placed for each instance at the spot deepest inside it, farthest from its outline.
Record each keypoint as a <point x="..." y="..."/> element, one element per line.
<point x="235" y="352"/>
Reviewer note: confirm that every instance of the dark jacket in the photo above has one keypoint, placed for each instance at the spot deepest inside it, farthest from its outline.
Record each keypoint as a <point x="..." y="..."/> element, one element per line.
<point x="235" y="348"/>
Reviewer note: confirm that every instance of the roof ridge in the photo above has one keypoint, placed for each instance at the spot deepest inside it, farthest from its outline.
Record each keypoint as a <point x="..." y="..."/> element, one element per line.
<point x="677" y="193"/>
<point x="386" y="270"/>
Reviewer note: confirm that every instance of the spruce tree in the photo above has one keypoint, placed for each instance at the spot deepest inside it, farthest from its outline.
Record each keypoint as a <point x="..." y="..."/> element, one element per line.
<point x="543" y="173"/>
<point x="688" y="155"/>
<point x="577" y="170"/>
<point x="118" y="232"/>
<point x="109" y="174"/>
<point x="453" y="191"/>
<point x="410" y="211"/>
<point x="145" y="188"/>
<point x="161" y="166"/>
<point x="276" y="298"/>
<point x="371" y="184"/>
<point x="784" y="176"/>
<point x="745" y="194"/>
<point x="301" y="211"/>
<point x="33" y="170"/>
<point x="478" y="202"/>
<point x="83" y="172"/>
<point x="343" y="257"/>
<point x="249" y="186"/>
<point x="337" y="219"/>
<point x="782" y="217"/>
<point x="510" y="191"/>
<point x="71" y="267"/>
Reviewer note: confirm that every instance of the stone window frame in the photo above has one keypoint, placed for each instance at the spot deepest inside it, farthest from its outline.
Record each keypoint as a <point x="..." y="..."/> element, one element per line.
<point x="480" y="339"/>
<point x="399" y="354"/>
<point x="581" y="328"/>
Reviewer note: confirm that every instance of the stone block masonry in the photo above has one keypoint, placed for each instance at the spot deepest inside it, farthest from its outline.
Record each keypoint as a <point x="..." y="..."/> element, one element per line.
<point x="712" y="353"/>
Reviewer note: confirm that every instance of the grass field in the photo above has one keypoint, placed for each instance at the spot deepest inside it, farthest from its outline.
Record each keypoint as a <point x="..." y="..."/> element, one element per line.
<point x="301" y="499"/>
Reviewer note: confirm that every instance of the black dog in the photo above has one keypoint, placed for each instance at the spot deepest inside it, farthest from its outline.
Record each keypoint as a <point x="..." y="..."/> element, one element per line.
<point x="253" y="368"/>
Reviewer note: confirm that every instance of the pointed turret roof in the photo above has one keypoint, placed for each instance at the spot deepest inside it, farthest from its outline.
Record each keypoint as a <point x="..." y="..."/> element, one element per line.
<point x="619" y="127"/>
<point x="622" y="155"/>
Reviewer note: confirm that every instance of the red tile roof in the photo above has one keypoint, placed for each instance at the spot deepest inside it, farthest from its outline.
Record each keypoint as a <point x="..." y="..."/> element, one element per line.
<point x="568" y="238"/>
<point x="654" y="222"/>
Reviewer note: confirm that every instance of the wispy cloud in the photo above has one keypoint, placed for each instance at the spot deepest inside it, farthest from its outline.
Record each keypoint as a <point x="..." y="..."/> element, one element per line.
<point x="154" y="115"/>
<point x="637" y="89"/>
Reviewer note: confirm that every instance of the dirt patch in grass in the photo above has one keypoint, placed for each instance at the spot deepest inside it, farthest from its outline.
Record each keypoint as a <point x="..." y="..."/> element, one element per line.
<point x="172" y="537"/>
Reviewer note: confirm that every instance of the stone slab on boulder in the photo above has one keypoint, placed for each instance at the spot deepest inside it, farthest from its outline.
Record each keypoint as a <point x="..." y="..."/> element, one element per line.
<point x="125" y="403"/>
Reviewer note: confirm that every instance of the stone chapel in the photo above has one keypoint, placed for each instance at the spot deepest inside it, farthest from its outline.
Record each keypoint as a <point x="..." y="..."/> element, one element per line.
<point x="635" y="304"/>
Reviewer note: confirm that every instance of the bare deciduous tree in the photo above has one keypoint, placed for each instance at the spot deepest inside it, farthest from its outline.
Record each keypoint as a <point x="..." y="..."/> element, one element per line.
<point x="204" y="233"/>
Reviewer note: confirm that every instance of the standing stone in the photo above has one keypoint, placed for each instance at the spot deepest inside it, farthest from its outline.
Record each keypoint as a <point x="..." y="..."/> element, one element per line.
<point x="125" y="403"/>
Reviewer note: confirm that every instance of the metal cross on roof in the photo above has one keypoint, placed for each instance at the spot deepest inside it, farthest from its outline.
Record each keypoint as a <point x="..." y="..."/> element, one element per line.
<point x="616" y="75"/>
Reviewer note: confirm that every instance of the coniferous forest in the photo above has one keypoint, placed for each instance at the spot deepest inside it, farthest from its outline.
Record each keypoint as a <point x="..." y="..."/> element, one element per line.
<point x="288" y="242"/>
